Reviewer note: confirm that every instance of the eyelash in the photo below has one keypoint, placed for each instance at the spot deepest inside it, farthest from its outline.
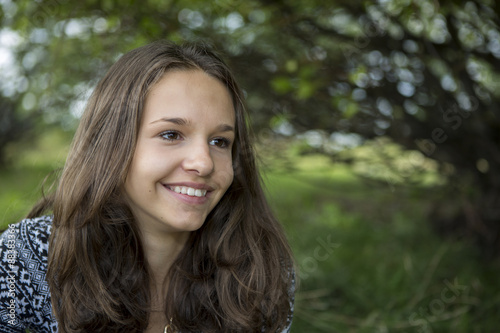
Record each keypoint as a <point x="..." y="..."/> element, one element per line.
<point x="225" y="142"/>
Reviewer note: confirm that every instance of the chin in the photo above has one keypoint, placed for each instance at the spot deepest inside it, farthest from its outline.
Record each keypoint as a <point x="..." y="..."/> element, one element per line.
<point x="188" y="226"/>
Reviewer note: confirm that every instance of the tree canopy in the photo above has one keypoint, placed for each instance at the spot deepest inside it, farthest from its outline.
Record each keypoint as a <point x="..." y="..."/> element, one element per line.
<point x="423" y="73"/>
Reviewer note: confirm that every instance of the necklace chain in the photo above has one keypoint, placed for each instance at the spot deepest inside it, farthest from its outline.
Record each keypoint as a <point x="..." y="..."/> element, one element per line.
<point x="169" y="328"/>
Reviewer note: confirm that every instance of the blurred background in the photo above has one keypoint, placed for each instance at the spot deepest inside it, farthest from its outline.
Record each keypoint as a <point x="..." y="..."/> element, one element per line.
<point x="378" y="133"/>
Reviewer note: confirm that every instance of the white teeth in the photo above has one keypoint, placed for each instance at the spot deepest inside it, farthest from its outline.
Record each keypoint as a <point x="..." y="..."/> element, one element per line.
<point x="192" y="192"/>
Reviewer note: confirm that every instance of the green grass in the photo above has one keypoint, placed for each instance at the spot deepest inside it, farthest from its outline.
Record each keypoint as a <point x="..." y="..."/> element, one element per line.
<point x="20" y="189"/>
<point x="367" y="257"/>
<point x="31" y="163"/>
<point x="388" y="271"/>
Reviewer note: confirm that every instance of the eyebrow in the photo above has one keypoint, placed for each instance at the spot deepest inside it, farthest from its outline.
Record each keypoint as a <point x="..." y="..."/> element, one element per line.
<point x="185" y="122"/>
<point x="177" y="121"/>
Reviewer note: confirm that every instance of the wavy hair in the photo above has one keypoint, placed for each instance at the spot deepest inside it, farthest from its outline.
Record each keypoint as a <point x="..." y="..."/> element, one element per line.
<point x="235" y="273"/>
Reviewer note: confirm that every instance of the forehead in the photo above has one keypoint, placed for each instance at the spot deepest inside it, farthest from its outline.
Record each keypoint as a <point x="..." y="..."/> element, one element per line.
<point x="191" y="94"/>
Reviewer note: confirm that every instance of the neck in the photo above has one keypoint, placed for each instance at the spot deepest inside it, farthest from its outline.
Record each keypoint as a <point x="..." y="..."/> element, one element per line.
<point x="161" y="250"/>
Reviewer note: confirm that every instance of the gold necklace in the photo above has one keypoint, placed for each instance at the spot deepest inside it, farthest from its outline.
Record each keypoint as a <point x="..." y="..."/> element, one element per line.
<point x="169" y="326"/>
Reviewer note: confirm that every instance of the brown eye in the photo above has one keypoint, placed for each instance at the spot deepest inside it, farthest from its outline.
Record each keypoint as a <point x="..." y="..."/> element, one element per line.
<point x="170" y="135"/>
<point x="220" y="142"/>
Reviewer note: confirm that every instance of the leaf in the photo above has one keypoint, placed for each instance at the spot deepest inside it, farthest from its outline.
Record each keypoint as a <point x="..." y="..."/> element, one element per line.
<point x="281" y="85"/>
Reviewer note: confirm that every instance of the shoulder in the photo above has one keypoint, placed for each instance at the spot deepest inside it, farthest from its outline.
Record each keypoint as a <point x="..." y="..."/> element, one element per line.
<point x="30" y="238"/>
<point x="24" y="295"/>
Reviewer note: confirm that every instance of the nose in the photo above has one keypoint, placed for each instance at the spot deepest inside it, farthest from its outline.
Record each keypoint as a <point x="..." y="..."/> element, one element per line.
<point x="198" y="159"/>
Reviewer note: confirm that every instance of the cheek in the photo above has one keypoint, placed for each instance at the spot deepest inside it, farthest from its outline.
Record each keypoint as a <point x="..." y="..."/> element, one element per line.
<point x="141" y="172"/>
<point x="131" y="182"/>
<point x="148" y="163"/>
<point x="226" y="174"/>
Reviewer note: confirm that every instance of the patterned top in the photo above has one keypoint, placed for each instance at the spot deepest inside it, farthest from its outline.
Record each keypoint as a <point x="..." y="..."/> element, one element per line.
<point x="24" y="293"/>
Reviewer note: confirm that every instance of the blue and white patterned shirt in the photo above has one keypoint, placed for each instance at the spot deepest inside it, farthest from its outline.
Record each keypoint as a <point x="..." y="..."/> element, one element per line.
<point x="24" y="292"/>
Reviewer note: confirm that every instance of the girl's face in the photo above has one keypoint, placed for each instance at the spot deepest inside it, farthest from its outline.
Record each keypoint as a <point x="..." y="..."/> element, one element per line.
<point x="182" y="163"/>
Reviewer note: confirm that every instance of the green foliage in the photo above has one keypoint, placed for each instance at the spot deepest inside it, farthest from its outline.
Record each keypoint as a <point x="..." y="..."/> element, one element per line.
<point x="281" y="85"/>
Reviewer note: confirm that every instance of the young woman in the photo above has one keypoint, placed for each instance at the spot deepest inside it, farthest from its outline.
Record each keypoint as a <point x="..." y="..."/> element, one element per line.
<point x="159" y="220"/>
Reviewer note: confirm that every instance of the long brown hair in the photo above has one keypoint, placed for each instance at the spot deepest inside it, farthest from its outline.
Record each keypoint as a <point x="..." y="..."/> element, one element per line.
<point x="234" y="274"/>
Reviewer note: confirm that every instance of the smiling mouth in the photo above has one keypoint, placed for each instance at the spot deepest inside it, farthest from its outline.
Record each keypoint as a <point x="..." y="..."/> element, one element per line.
<point x="192" y="192"/>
